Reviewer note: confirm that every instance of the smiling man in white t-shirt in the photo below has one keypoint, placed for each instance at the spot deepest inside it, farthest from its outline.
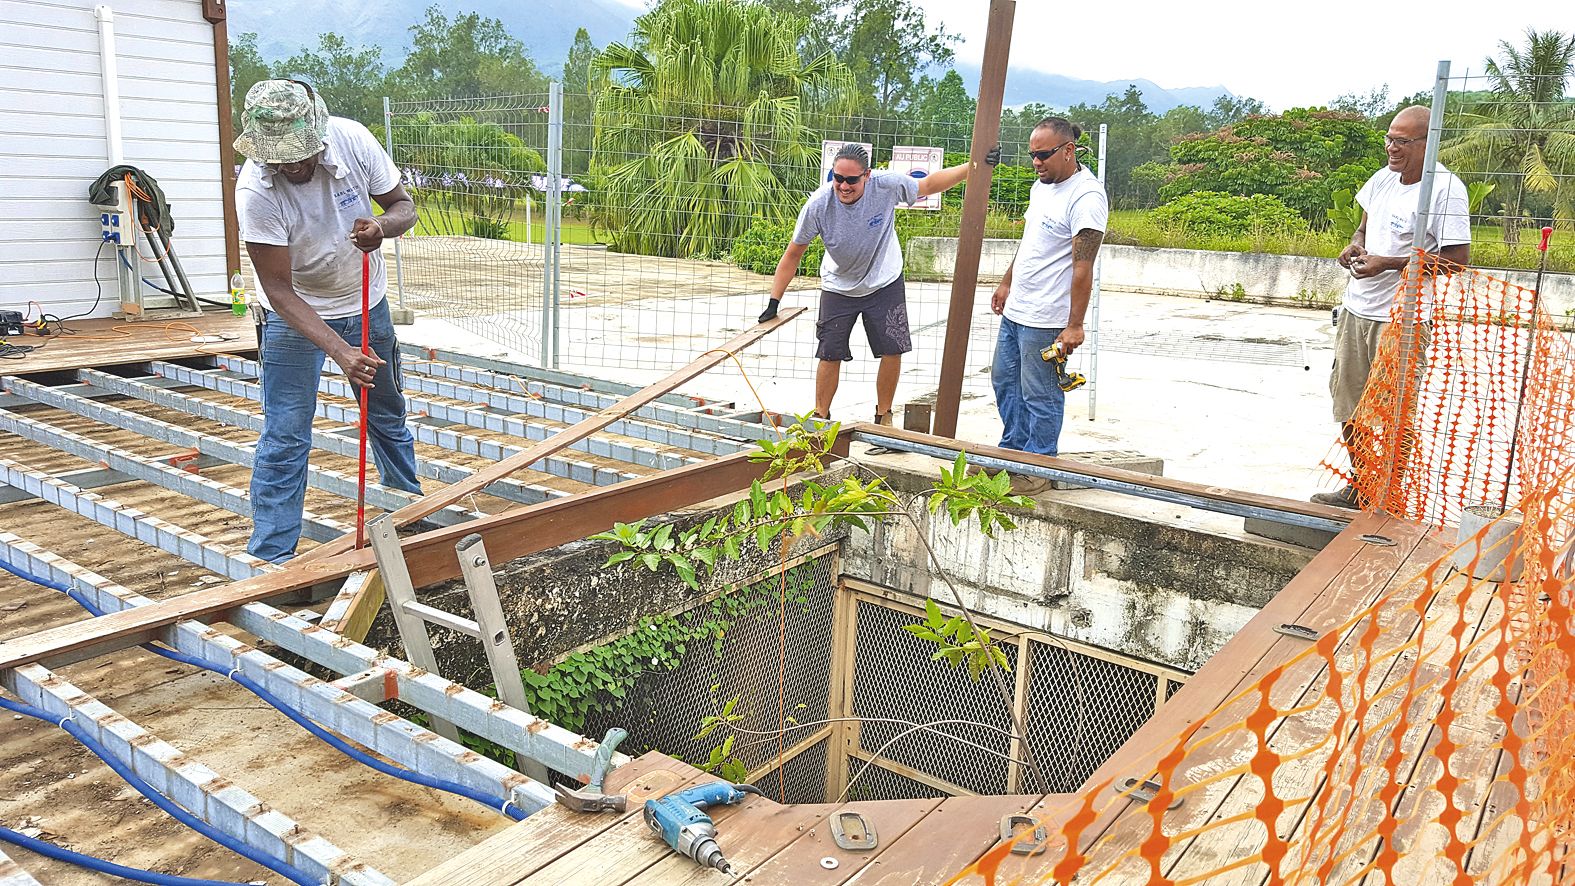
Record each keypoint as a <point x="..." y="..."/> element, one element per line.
<point x="1377" y="256"/>
<point x="1045" y="293"/>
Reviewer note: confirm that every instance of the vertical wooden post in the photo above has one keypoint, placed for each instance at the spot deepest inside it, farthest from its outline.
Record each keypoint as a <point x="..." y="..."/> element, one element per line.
<point x="844" y="632"/>
<point x="976" y="204"/>
<point x="214" y="11"/>
<point x="1014" y="770"/>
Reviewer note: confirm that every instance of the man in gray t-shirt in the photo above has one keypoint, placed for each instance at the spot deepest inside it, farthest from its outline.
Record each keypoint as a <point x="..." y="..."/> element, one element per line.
<point x="855" y="215"/>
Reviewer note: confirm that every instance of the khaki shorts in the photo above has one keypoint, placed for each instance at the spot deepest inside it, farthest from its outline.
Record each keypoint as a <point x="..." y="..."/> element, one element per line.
<point x="1356" y="341"/>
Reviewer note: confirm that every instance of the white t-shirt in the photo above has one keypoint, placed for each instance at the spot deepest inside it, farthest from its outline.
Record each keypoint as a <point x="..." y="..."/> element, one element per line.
<point x="1391" y="223"/>
<point x="314" y="219"/>
<point x="1041" y="294"/>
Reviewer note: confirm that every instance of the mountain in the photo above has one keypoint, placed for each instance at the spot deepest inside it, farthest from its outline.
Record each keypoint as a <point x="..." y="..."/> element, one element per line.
<point x="1024" y="86"/>
<point x="547" y="27"/>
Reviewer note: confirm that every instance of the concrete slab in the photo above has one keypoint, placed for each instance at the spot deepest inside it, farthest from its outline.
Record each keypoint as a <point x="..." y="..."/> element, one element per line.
<point x="1125" y="459"/>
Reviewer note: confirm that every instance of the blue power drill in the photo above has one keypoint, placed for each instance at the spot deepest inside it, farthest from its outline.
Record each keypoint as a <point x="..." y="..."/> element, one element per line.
<point x="679" y="820"/>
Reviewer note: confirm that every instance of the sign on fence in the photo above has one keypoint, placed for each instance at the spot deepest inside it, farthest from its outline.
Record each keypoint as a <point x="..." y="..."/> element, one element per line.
<point x="828" y="154"/>
<point x="919" y="163"/>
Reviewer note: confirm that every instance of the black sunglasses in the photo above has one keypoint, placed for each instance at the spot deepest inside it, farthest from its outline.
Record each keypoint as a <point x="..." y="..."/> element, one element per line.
<point x="847" y="179"/>
<point x="1042" y="156"/>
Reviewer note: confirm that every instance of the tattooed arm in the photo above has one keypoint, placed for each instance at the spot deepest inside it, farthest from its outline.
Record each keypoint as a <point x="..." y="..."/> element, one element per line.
<point x="1085" y="247"/>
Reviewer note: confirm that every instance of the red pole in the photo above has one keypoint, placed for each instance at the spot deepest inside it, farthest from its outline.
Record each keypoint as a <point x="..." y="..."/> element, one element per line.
<point x="366" y="313"/>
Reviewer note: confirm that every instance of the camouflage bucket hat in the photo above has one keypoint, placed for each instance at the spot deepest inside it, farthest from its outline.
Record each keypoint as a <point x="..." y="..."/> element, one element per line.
<point x="284" y="122"/>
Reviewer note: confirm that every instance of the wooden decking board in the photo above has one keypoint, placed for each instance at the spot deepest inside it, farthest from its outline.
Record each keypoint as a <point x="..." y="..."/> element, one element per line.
<point x="1251" y="651"/>
<point x="949" y="839"/>
<point x="749" y="839"/>
<point x="118" y="342"/>
<point x="628" y="848"/>
<point x="1287" y="736"/>
<point x="799" y="863"/>
<point x="515" y="854"/>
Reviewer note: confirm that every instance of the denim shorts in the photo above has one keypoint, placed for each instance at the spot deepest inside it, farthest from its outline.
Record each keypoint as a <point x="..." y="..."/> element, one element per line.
<point x="885" y="313"/>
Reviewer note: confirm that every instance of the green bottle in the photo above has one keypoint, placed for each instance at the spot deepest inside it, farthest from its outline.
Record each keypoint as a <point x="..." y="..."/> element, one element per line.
<point x="237" y="295"/>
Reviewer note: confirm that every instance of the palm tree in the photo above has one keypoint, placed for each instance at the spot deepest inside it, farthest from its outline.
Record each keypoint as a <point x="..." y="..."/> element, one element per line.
<point x="1524" y="129"/>
<point x="701" y="125"/>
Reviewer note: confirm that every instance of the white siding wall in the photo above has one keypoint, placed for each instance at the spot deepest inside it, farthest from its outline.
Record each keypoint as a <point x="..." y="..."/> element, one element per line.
<point x="52" y="144"/>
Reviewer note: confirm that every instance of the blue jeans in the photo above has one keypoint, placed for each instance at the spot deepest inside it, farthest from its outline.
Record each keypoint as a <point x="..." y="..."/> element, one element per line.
<point x="292" y="366"/>
<point x="1031" y="403"/>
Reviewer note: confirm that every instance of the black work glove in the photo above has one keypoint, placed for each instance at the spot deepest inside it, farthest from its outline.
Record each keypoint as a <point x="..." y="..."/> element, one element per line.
<point x="770" y="313"/>
<point x="992" y="156"/>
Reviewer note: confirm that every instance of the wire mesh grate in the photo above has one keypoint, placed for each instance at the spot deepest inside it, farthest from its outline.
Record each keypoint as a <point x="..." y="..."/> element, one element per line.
<point x="894" y="677"/>
<point x="803" y="777"/>
<point x="738" y="656"/>
<point x="1080" y="710"/>
<point x="878" y="783"/>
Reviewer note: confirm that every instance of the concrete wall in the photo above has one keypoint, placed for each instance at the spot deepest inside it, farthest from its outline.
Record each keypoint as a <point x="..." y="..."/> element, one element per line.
<point x="1167" y="594"/>
<point x="1134" y="586"/>
<point x="1200" y="272"/>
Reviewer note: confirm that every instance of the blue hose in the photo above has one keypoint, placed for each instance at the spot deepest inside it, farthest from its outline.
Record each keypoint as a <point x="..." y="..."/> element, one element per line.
<point x="289" y="871"/>
<point x="60" y="853"/>
<point x="488" y="800"/>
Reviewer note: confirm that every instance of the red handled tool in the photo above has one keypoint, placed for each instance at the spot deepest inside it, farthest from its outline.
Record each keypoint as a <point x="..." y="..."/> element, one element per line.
<point x="360" y="485"/>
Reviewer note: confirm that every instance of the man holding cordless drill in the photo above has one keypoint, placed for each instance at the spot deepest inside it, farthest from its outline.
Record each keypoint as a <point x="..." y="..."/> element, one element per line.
<point x="855" y="215"/>
<point x="1045" y="293"/>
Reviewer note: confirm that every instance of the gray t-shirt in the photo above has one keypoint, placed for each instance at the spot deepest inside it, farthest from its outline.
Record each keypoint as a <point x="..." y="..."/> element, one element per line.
<point x="862" y="254"/>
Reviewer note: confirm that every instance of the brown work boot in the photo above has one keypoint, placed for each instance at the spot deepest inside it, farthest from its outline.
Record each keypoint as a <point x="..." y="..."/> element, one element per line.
<point x="1348" y="497"/>
<point x="1024" y="484"/>
<point x="883" y="419"/>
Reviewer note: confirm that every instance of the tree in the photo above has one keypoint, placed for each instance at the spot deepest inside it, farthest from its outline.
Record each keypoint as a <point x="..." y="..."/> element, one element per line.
<point x="1228" y="109"/>
<point x="1134" y="137"/>
<point x="1525" y="129"/>
<point x="1372" y="105"/>
<point x="352" y="82"/>
<point x="1302" y="156"/>
<point x="700" y="125"/>
<point x="468" y="176"/>
<point x="577" y="116"/>
<point x="886" y="43"/>
<point x="467" y="57"/>
<point x="247" y="68"/>
<point x="941" y="109"/>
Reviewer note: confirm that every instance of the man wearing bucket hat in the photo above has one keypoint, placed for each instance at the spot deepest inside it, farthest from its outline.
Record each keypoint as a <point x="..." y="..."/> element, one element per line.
<point x="304" y="199"/>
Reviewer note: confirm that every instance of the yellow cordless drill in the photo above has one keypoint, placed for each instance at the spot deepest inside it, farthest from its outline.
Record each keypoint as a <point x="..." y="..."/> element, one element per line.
<point x="1069" y="380"/>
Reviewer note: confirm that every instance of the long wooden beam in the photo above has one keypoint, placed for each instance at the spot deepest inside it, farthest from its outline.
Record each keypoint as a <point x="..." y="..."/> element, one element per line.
<point x="552" y="445"/>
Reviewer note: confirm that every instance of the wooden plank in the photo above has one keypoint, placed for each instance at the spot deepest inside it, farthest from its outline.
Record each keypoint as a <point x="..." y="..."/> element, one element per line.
<point x="629" y="847"/>
<point x="118" y="342"/>
<point x="356" y="605"/>
<point x="430" y="555"/>
<point x="1101" y="472"/>
<point x="1315" y="598"/>
<point x="949" y="839"/>
<point x="563" y="439"/>
<point x="798" y="863"/>
<point x="1296" y="781"/>
<point x="514" y="854"/>
<point x="749" y="839"/>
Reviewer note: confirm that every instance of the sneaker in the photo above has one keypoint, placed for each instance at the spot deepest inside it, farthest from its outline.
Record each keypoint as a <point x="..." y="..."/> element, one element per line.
<point x="1340" y="498"/>
<point x="1024" y="484"/>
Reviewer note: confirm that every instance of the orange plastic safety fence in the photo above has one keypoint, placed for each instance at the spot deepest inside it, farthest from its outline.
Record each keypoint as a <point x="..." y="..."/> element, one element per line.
<point x="1430" y="737"/>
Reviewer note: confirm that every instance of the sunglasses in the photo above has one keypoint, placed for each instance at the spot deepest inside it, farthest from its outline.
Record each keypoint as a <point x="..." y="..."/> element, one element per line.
<point x="1042" y="156"/>
<point x="847" y="179"/>
<point x="1400" y="142"/>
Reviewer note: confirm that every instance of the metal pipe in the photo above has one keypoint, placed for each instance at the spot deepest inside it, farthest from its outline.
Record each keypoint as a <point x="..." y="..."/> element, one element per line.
<point x="1093" y="327"/>
<point x="1122" y="486"/>
<point x="399" y="258"/>
<point x="111" y="84"/>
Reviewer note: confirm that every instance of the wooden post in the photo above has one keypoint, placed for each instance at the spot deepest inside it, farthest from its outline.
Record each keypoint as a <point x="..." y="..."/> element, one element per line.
<point x="214" y="11"/>
<point x="1014" y="771"/>
<point x="844" y="628"/>
<point x="976" y="203"/>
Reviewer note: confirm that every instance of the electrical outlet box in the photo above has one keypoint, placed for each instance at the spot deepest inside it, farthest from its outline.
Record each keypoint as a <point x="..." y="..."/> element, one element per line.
<point x="115" y="221"/>
<point x="11" y="323"/>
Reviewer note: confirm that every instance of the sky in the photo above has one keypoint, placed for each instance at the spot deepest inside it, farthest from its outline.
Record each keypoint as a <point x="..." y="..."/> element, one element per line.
<point x="1288" y="55"/>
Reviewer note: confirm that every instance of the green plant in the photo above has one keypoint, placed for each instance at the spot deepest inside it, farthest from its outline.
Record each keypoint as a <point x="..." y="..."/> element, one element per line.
<point x="1233" y="292"/>
<point x="1312" y="298"/>
<point x="487" y="228"/>
<point x="760" y="248"/>
<point x="1216" y="213"/>
<point x="958" y="640"/>
<point x="1345" y="216"/>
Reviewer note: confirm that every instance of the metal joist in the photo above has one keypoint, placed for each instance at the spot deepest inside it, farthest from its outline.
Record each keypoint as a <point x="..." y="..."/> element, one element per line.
<point x="147" y="391"/>
<point x="203" y="792"/>
<point x="509" y="375"/>
<point x="204" y="489"/>
<point x="475" y="417"/>
<point x="514" y="404"/>
<point x="146" y="528"/>
<point x="396" y="738"/>
<point x="243" y="454"/>
<point x="613" y="390"/>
